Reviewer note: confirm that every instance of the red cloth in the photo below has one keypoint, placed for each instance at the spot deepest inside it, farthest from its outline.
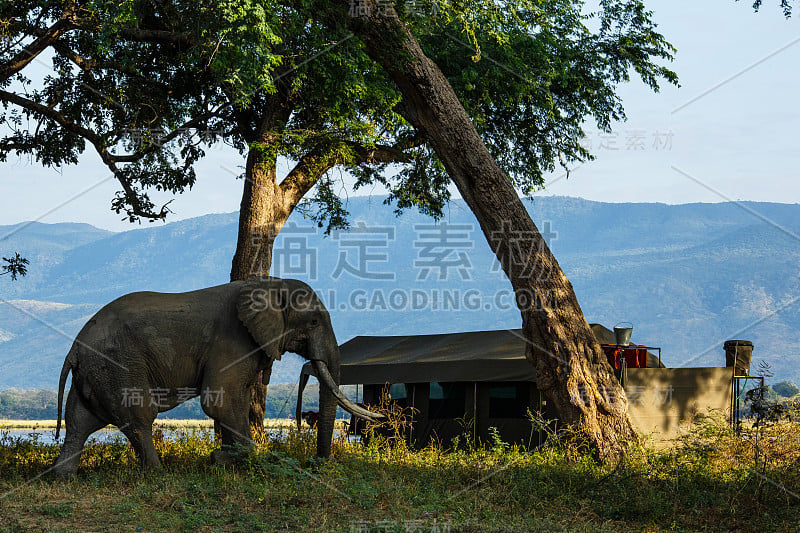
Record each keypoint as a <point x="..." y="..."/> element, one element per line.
<point x="635" y="355"/>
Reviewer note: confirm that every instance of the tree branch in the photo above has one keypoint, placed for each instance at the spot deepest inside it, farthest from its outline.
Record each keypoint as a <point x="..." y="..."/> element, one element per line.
<point x="53" y="115"/>
<point x="183" y="128"/>
<point x="312" y="166"/>
<point x="84" y="64"/>
<point x="97" y="141"/>
<point x="69" y="21"/>
<point x="159" y="36"/>
<point x="25" y="56"/>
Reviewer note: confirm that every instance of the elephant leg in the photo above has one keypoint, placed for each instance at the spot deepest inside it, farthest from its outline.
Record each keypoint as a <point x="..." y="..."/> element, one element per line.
<point x="80" y="423"/>
<point x="136" y="422"/>
<point x="141" y="438"/>
<point x="258" y="401"/>
<point x="231" y="416"/>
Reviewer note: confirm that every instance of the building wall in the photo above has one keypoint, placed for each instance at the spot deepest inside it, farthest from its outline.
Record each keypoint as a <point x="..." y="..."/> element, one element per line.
<point x="663" y="401"/>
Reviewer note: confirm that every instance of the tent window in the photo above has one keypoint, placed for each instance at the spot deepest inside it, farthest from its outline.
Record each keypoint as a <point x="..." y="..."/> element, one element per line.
<point x="508" y="400"/>
<point x="398" y="391"/>
<point x="447" y="400"/>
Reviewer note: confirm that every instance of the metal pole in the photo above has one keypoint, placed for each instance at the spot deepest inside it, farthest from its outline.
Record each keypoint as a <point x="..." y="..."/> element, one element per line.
<point x="475" y="413"/>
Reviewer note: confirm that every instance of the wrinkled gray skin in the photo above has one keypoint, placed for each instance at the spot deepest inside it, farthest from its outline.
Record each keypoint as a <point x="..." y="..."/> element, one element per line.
<point x="214" y="339"/>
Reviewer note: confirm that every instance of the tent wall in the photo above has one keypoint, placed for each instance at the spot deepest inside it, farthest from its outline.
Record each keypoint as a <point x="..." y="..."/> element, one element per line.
<point x="507" y="414"/>
<point x="473" y="414"/>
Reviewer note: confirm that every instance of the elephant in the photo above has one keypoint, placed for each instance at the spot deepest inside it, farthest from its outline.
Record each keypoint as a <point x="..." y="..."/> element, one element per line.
<point x="147" y="352"/>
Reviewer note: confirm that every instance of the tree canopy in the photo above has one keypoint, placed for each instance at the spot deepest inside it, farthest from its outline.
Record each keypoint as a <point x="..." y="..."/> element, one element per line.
<point x="150" y="85"/>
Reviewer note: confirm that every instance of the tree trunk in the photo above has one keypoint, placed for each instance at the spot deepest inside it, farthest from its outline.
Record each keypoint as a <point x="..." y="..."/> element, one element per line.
<point x="571" y="369"/>
<point x="265" y="208"/>
<point x="261" y="217"/>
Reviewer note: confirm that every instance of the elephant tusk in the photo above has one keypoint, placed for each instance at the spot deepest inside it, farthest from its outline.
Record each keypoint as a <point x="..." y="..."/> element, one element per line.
<point x="324" y="376"/>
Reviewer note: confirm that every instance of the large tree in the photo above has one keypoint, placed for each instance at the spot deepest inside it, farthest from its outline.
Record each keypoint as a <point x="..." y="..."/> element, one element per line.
<point x="570" y="368"/>
<point x="148" y="84"/>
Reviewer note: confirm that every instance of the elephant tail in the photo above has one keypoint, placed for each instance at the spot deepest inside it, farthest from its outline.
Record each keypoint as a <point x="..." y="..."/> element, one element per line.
<point x="69" y="363"/>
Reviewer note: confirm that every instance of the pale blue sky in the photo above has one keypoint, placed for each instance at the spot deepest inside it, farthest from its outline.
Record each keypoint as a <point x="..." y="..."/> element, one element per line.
<point x="738" y="141"/>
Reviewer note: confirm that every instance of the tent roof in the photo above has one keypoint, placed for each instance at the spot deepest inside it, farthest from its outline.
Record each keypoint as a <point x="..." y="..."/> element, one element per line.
<point x="469" y="356"/>
<point x="497" y="355"/>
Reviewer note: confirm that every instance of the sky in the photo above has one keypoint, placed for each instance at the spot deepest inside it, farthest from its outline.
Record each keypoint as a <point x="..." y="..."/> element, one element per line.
<point x="729" y="132"/>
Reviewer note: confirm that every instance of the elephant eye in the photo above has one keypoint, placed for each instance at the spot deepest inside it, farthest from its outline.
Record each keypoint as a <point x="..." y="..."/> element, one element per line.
<point x="315" y="322"/>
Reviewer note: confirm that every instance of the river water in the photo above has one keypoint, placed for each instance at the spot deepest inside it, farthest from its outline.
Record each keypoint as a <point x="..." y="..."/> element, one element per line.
<point x="112" y="434"/>
<point x="47" y="436"/>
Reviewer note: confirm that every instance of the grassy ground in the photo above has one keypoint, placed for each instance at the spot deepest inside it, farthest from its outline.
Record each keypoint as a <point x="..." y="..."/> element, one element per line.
<point x="709" y="482"/>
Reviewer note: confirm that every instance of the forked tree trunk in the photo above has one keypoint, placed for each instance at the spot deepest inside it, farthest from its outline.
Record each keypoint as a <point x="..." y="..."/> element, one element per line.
<point x="571" y="369"/>
<point x="267" y="205"/>
<point x="261" y="217"/>
<point x="265" y="208"/>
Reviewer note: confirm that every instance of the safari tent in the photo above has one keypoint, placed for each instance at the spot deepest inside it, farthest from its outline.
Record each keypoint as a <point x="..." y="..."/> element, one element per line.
<point x="472" y="381"/>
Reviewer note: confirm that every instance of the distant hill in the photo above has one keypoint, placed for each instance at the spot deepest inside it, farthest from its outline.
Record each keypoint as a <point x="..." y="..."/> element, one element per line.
<point x="688" y="276"/>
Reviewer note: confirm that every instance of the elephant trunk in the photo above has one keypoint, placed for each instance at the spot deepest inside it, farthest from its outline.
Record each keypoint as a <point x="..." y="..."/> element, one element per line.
<point x="327" y="406"/>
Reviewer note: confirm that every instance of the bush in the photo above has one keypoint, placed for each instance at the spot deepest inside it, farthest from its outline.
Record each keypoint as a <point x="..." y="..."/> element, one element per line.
<point x="787" y="389"/>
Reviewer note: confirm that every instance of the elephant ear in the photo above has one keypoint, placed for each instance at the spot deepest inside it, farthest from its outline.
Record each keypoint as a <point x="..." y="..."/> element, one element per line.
<point x="261" y="308"/>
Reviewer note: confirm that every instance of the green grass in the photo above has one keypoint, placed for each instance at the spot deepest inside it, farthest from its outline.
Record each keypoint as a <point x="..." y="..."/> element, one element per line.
<point x="709" y="482"/>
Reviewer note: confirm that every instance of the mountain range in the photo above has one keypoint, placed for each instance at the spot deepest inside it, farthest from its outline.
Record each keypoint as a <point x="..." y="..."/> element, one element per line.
<point x="688" y="277"/>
